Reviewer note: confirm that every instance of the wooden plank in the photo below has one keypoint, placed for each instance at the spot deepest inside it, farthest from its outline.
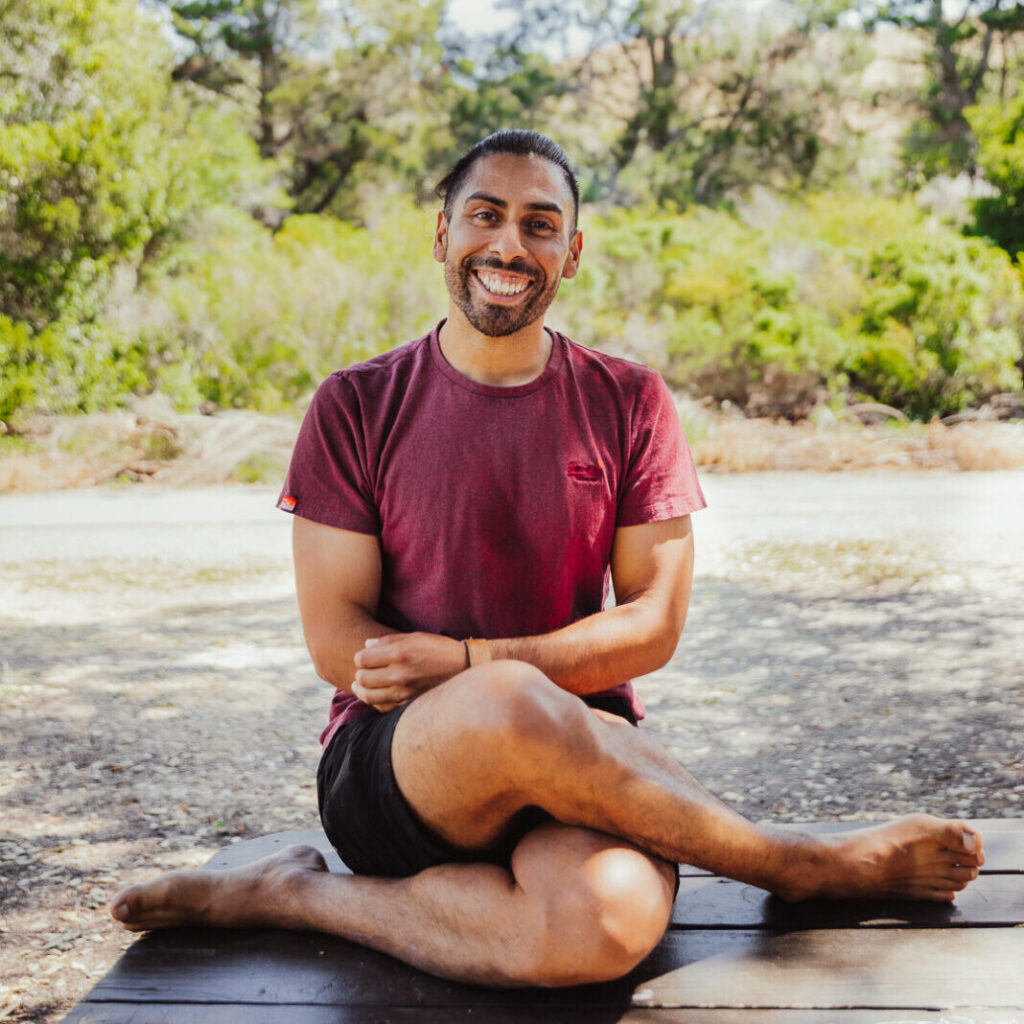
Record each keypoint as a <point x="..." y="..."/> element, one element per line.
<point x="878" y="968"/>
<point x="725" y="951"/>
<point x="721" y="903"/>
<point x="277" y="967"/>
<point x="237" y="1013"/>
<point x="1004" y="850"/>
<point x="930" y="968"/>
<point x="190" y="1013"/>
<point x="251" y="850"/>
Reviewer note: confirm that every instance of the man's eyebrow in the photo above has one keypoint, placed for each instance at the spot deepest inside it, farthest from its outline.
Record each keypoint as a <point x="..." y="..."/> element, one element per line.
<point x="503" y="204"/>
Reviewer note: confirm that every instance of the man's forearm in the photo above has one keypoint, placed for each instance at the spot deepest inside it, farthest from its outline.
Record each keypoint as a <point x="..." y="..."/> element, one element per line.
<point x="588" y="656"/>
<point x="600" y="651"/>
<point x="334" y="657"/>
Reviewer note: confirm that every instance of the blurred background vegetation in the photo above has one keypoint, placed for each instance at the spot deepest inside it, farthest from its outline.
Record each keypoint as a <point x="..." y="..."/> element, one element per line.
<point x="788" y="204"/>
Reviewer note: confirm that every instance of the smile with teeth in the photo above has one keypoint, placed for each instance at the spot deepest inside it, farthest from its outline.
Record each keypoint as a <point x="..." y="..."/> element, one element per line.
<point x="497" y="284"/>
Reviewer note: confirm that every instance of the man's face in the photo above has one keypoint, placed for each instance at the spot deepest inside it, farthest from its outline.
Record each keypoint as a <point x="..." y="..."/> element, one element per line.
<point x="508" y="242"/>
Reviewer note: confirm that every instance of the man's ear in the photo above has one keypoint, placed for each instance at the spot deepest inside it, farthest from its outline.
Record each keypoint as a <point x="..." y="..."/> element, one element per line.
<point x="441" y="237"/>
<point x="572" y="264"/>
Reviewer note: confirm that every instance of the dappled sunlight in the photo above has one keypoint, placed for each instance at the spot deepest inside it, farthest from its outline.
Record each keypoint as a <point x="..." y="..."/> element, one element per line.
<point x="110" y="589"/>
<point x="822" y="968"/>
<point x="148" y="725"/>
<point x="159" y="714"/>
<point x="45" y="823"/>
<point x="89" y="856"/>
<point x="862" y="705"/>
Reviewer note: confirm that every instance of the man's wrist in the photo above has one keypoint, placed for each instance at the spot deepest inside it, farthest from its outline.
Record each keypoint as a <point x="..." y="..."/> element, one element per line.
<point x="477" y="651"/>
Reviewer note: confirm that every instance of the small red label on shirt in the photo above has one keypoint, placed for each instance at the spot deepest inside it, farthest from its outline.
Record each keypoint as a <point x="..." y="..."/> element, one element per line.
<point x="582" y="471"/>
<point x="287" y="502"/>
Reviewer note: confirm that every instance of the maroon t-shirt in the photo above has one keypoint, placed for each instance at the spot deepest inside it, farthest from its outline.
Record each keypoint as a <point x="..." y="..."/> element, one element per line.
<point x="496" y="507"/>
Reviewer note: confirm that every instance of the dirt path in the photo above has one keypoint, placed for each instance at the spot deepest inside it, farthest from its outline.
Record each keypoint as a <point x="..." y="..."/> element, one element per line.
<point x="854" y="650"/>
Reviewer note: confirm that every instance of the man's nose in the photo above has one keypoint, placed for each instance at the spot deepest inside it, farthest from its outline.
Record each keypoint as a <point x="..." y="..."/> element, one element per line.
<point x="507" y="242"/>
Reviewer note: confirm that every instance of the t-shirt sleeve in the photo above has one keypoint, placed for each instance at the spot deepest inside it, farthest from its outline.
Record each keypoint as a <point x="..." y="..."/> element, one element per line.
<point x="661" y="478"/>
<point x="329" y="477"/>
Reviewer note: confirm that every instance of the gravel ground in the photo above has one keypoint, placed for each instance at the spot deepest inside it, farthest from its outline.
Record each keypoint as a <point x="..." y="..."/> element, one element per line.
<point x="853" y="651"/>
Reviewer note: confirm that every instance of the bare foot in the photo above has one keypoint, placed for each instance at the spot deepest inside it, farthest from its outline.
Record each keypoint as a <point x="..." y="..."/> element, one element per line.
<point x="915" y="858"/>
<point x="255" y="895"/>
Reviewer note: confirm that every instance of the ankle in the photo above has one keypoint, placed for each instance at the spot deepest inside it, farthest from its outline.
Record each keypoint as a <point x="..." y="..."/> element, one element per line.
<point x="282" y="894"/>
<point x="804" y="865"/>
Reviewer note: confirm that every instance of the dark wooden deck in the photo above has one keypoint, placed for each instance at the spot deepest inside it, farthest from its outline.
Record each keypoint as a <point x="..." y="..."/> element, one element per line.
<point x="733" y="955"/>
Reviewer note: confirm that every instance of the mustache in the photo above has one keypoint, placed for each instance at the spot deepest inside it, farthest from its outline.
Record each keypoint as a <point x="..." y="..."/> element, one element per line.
<point x="492" y="263"/>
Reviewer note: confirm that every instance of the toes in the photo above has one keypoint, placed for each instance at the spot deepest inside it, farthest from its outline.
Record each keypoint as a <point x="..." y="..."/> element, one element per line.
<point x="963" y="840"/>
<point x="121" y="907"/>
<point x="962" y="874"/>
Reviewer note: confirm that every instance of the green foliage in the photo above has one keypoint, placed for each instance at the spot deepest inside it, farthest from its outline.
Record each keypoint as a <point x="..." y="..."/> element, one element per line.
<point x="259" y="469"/>
<point x="940" y="324"/>
<point x="337" y="95"/>
<point x="513" y="90"/>
<point x="698" y="100"/>
<point x="772" y="312"/>
<point x="100" y="165"/>
<point x="85" y="179"/>
<point x="960" y="40"/>
<point x="999" y="129"/>
<point x="176" y="226"/>
<point x="253" y="319"/>
<point x="24" y="375"/>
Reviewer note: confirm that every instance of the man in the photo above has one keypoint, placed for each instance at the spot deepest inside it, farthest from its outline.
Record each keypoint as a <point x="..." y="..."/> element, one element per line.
<point x="458" y="504"/>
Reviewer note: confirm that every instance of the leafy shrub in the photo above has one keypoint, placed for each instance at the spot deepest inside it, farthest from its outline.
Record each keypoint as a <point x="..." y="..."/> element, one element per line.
<point x="24" y="378"/>
<point x="252" y="319"/>
<point x="827" y="296"/>
<point x="999" y="130"/>
<point x="941" y="323"/>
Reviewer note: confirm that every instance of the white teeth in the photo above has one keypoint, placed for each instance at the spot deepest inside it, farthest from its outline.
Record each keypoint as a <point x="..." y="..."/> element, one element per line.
<point x="499" y="287"/>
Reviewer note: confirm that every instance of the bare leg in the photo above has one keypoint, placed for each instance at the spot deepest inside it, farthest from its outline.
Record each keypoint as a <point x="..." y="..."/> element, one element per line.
<point x="467" y="755"/>
<point x="470" y="753"/>
<point x="576" y="907"/>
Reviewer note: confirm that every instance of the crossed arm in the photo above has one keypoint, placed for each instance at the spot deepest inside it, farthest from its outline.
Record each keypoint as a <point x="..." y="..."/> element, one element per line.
<point x="338" y="579"/>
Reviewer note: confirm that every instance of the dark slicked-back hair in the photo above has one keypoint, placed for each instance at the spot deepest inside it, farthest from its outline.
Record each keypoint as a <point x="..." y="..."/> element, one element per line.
<point x="520" y="142"/>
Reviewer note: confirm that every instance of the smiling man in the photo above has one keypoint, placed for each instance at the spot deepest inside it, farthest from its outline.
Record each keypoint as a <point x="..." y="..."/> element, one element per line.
<point x="462" y="505"/>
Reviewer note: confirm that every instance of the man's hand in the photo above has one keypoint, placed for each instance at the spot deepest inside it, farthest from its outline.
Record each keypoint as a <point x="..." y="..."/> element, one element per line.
<point x="392" y="669"/>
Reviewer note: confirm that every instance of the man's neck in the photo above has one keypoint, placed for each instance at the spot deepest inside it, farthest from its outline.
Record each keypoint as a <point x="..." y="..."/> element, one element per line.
<point x="510" y="361"/>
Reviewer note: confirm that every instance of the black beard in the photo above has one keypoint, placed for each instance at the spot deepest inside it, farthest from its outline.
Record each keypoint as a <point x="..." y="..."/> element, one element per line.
<point x="496" y="321"/>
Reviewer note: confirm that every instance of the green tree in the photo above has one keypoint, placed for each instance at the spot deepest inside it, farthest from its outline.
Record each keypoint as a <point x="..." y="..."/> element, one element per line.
<point x="772" y="310"/>
<point x="243" y="45"/>
<point x="336" y="94"/>
<point x="694" y="100"/>
<point x="999" y="129"/>
<point x="940" y="325"/>
<point x="100" y="163"/>
<point x="960" y="39"/>
<point x="508" y="88"/>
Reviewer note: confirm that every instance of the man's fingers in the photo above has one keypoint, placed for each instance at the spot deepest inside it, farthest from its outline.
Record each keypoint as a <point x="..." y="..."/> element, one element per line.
<point x="384" y="708"/>
<point x="385" y="693"/>
<point x="374" y="679"/>
<point x="374" y="654"/>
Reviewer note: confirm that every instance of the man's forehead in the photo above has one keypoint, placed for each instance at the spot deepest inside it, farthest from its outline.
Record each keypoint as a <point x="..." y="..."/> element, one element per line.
<point x="515" y="178"/>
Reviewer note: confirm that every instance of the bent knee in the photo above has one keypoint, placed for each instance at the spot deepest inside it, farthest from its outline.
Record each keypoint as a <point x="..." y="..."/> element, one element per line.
<point x="514" y="702"/>
<point x="633" y="897"/>
<point x="615" y="919"/>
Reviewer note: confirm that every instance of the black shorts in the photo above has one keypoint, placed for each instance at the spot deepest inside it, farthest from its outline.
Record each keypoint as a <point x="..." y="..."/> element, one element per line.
<point x="369" y="822"/>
